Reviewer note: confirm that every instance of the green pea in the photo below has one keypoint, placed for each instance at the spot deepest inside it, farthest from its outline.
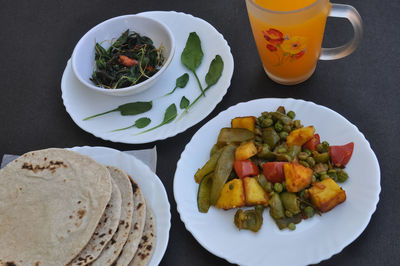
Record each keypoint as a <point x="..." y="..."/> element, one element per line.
<point x="292" y="226"/>
<point x="308" y="152"/>
<point x="297" y="124"/>
<point x="288" y="214"/>
<point x="302" y="155"/>
<point x="291" y="114"/>
<point x="278" y="126"/>
<point x="310" y="161"/>
<point x="309" y="211"/>
<point x="268" y="187"/>
<point x="287" y="128"/>
<point x="324" y="176"/>
<point x="342" y="176"/>
<point x="304" y="163"/>
<point x="278" y="187"/>
<point x="267" y="122"/>
<point x="265" y="114"/>
<point x="282" y="150"/>
<point x="313" y="179"/>
<point x="283" y="135"/>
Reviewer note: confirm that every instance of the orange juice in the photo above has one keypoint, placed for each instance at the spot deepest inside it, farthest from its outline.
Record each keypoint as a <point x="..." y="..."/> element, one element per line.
<point x="288" y="42"/>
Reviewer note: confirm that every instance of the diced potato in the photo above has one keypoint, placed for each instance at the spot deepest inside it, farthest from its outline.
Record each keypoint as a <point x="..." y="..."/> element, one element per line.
<point x="254" y="193"/>
<point x="248" y="122"/>
<point x="300" y="136"/>
<point x="232" y="195"/>
<point x="325" y="195"/>
<point x="297" y="177"/>
<point x="245" y="151"/>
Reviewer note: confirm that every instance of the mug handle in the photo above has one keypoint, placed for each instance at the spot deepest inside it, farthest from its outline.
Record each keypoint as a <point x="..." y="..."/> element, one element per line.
<point x="349" y="12"/>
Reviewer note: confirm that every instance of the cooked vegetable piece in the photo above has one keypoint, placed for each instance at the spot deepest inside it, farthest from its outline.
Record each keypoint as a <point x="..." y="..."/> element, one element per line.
<point x="247" y="122"/>
<point x="244" y="168"/>
<point x="320" y="157"/>
<point x="281" y="117"/>
<point x="232" y="195"/>
<point x="208" y="167"/>
<point x="287" y="221"/>
<point x="312" y="143"/>
<point x="341" y="155"/>
<point x="325" y="195"/>
<point x="276" y="209"/>
<point x="300" y="136"/>
<point x="290" y="202"/>
<point x="222" y="171"/>
<point x="270" y="137"/>
<point x="273" y="171"/>
<point x="297" y="177"/>
<point x="250" y="219"/>
<point x="254" y="193"/>
<point x="203" y="195"/>
<point x="245" y="151"/>
<point x="234" y="135"/>
<point x="265" y="152"/>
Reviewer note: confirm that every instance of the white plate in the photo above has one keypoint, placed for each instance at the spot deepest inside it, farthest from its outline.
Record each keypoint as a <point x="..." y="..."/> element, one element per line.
<point x="81" y="102"/>
<point x="313" y="240"/>
<point x="149" y="183"/>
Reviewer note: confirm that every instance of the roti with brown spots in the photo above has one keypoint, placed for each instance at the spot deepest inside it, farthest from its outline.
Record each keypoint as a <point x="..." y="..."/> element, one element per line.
<point x="114" y="247"/>
<point x="138" y="222"/>
<point x="51" y="202"/>
<point x="105" y="229"/>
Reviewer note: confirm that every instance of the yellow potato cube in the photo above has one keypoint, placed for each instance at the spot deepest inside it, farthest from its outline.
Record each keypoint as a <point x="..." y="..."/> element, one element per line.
<point x="300" y="136"/>
<point x="248" y="122"/>
<point x="232" y="195"/>
<point x="254" y="193"/>
<point x="297" y="177"/>
<point x="325" y="195"/>
<point x="245" y="151"/>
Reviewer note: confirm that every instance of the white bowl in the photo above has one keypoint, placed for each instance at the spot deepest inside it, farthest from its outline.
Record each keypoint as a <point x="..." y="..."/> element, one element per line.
<point x="83" y="55"/>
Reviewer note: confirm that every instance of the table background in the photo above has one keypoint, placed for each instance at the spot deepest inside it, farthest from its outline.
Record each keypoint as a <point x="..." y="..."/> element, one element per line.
<point x="37" y="39"/>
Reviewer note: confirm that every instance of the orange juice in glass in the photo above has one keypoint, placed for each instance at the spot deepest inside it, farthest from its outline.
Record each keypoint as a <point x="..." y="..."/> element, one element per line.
<point x="289" y="33"/>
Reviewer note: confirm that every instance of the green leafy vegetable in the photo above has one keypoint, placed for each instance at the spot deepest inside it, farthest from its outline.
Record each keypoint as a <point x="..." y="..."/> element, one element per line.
<point x="184" y="103"/>
<point x="212" y="77"/>
<point x="192" y="56"/>
<point x="180" y="83"/>
<point x="132" y="108"/>
<point x="140" y="123"/>
<point x="169" y="116"/>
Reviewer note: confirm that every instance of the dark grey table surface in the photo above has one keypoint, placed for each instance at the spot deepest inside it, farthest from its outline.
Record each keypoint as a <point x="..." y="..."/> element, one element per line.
<point x="37" y="39"/>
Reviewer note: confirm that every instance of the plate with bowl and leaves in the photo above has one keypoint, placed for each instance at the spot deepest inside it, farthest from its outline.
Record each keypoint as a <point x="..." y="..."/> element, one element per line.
<point x="195" y="81"/>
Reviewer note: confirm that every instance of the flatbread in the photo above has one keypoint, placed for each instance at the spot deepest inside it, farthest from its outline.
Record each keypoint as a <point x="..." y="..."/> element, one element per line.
<point x="51" y="202"/>
<point x="148" y="241"/>
<point x="138" y="222"/>
<point x="105" y="229"/>
<point x="114" y="247"/>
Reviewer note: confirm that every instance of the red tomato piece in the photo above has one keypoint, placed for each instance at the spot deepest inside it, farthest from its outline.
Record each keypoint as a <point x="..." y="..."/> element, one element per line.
<point x="341" y="155"/>
<point x="312" y="143"/>
<point x="245" y="168"/>
<point x="273" y="171"/>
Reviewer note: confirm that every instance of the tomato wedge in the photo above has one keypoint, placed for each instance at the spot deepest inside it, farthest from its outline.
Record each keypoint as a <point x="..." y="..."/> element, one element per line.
<point x="341" y="155"/>
<point x="312" y="143"/>
<point x="273" y="171"/>
<point x="244" y="168"/>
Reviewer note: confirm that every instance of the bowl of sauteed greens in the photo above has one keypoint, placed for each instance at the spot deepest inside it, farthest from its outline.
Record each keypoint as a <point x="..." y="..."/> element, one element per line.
<point x="123" y="55"/>
<point x="277" y="182"/>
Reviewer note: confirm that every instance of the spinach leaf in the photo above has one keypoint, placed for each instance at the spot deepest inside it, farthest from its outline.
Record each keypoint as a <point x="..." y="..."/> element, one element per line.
<point x="140" y="123"/>
<point x="132" y="108"/>
<point x="184" y="103"/>
<point x="192" y="55"/>
<point x="180" y="83"/>
<point x="169" y="116"/>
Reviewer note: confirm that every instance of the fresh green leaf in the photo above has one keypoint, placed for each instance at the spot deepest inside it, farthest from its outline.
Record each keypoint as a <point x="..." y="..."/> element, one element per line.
<point x="140" y="123"/>
<point x="182" y="81"/>
<point x="192" y="54"/>
<point x="184" y="103"/>
<point x="169" y="116"/>
<point x="132" y="108"/>
<point x="215" y="71"/>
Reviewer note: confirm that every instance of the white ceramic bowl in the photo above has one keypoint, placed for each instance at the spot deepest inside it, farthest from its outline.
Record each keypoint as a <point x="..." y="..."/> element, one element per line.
<point x="84" y="53"/>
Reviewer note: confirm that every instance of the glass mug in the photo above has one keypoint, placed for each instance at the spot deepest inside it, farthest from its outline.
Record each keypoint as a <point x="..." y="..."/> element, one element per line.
<point x="288" y="35"/>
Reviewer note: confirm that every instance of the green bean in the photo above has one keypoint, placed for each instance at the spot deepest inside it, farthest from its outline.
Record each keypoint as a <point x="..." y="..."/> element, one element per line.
<point x="291" y="114"/>
<point x="321" y="157"/>
<point x="276" y="209"/>
<point x="265" y="152"/>
<point x="208" y="167"/>
<point x="290" y="202"/>
<point x="304" y="163"/>
<point x="270" y="137"/>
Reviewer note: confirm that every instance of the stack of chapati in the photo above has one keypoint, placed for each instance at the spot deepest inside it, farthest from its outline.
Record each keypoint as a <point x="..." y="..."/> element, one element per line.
<point x="58" y="207"/>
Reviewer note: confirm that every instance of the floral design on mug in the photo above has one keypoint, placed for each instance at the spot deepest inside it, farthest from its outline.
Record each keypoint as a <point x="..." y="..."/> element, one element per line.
<point x="285" y="48"/>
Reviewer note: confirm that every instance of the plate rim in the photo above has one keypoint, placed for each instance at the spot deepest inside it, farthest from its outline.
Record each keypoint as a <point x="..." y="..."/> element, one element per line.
<point x="213" y="105"/>
<point x="339" y="248"/>
<point x="158" y="180"/>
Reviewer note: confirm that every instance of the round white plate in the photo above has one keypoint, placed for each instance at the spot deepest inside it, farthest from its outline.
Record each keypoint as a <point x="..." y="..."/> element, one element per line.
<point x="81" y="102"/>
<point x="313" y="240"/>
<point x="151" y="186"/>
